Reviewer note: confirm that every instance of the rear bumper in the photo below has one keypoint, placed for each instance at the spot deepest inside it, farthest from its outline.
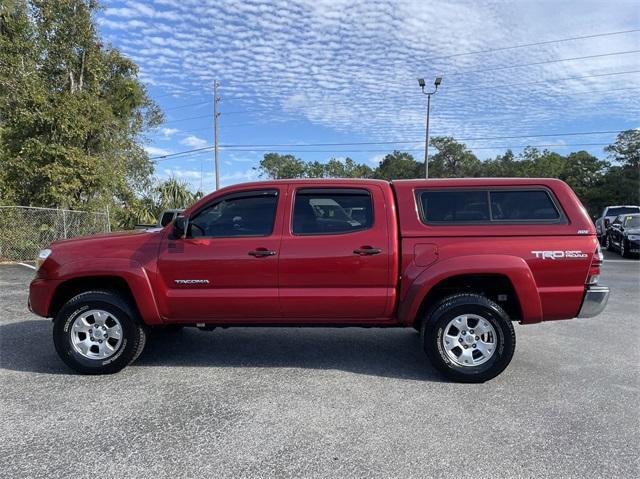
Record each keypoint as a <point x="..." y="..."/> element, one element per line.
<point x="594" y="302"/>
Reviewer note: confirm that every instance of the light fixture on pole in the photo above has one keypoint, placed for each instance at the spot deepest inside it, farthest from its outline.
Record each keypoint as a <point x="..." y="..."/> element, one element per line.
<point x="422" y="84"/>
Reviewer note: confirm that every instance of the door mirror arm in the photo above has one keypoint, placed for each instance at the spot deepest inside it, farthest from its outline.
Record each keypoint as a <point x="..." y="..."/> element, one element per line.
<point x="180" y="227"/>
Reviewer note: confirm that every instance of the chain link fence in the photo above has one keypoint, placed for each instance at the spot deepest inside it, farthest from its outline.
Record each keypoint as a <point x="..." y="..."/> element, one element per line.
<point x="24" y="231"/>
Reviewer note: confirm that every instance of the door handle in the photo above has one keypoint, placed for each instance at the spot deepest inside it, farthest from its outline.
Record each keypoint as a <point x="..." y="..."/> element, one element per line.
<point x="258" y="253"/>
<point x="367" y="250"/>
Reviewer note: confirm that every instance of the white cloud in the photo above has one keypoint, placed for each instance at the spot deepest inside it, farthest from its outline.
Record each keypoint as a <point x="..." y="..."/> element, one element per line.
<point x="168" y="132"/>
<point x="156" y="151"/>
<point x="351" y="65"/>
<point x="194" y="142"/>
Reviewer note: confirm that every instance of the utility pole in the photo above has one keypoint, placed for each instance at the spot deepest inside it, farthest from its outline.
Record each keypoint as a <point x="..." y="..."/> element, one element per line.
<point x="215" y="132"/>
<point x="426" y="140"/>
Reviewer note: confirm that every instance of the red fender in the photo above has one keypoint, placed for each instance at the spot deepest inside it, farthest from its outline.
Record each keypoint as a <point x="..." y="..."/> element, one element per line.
<point x="130" y="271"/>
<point x="514" y="267"/>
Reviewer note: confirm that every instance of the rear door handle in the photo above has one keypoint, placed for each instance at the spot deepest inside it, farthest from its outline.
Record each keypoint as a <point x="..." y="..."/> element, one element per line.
<point x="260" y="252"/>
<point x="367" y="250"/>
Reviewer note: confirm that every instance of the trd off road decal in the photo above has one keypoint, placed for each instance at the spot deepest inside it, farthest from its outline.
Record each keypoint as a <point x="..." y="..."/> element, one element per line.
<point x="559" y="254"/>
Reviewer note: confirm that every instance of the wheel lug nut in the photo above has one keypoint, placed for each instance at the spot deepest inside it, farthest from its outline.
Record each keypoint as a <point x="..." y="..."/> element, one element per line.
<point x="100" y="341"/>
<point x="471" y="331"/>
<point x="477" y="337"/>
<point x="466" y="347"/>
<point x="473" y="345"/>
<point x="464" y="332"/>
<point x="460" y="339"/>
<point x="91" y="338"/>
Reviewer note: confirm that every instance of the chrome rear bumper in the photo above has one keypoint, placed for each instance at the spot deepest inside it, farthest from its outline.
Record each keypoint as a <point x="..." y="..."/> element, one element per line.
<point x="594" y="302"/>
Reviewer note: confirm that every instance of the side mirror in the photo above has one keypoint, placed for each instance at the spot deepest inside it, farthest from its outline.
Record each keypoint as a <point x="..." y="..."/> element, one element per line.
<point x="180" y="225"/>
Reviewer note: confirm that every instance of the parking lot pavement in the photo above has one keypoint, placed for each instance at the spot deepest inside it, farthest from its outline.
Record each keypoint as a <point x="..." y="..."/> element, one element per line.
<point x="288" y="402"/>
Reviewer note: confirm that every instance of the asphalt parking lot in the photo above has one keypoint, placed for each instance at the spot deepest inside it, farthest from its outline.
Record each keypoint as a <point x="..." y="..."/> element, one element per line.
<point x="288" y="402"/>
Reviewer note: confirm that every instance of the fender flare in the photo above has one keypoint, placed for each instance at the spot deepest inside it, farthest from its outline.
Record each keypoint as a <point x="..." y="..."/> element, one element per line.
<point x="513" y="267"/>
<point x="129" y="270"/>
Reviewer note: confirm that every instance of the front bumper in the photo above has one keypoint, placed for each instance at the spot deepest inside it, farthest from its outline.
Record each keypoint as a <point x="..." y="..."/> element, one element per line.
<point x="594" y="302"/>
<point x="40" y="295"/>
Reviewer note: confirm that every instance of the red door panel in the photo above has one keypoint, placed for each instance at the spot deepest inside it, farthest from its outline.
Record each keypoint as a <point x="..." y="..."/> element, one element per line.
<point x="324" y="276"/>
<point x="220" y="278"/>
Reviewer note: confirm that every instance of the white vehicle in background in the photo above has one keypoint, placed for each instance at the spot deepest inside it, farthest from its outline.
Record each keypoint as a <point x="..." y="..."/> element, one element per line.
<point x="609" y="214"/>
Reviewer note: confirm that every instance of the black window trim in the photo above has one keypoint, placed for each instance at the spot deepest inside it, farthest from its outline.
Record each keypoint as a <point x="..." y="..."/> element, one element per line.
<point x="266" y="192"/>
<point x="324" y="190"/>
<point x="561" y="219"/>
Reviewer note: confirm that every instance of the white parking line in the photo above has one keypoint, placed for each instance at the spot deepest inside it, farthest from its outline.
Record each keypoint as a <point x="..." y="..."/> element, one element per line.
<point x="611" y="261"/>
<point x="27" y="265"/>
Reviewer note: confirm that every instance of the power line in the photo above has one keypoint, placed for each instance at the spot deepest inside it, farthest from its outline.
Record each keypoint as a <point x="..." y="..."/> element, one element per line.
<point x="472" y="147"/>
<point x="557" y="60"/>
<point x="549" y="80"/>
<point x="420" y="141"/>
<point x="231" y="147"/>
<point x="185" y="119"/>
<point x="524" y="45"/>
<point x="188" y="105"/>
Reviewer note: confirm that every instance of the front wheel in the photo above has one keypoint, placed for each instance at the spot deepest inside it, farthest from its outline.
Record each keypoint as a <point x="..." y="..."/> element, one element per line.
<point x="98" y="332"/>
<point x="624" y="250"/>
<point x="468" y="338"/>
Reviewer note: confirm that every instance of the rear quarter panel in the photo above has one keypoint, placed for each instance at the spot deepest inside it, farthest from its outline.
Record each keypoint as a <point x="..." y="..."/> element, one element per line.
<point x="559" y="279"/>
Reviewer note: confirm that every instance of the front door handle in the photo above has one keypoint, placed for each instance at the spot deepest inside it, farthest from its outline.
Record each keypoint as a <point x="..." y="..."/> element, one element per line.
<point x="260" y="252"/>
<point x="367" y="250"/>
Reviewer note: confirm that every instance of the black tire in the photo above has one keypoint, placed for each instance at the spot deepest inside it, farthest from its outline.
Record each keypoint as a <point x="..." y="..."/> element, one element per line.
<point x="133" y="332"/>
<point x="607" y="243"/>
<point x="624" y="249"/>
<point x="433" y="329"/>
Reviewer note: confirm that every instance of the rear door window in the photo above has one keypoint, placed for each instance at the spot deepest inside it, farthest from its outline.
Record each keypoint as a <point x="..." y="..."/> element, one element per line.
<point x="331" y="211"/>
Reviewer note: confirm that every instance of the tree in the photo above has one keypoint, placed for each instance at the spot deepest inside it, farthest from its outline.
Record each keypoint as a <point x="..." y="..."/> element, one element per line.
<point x="159" y="196"/>
<point x="276" y="166"/>
<point x="453" y="159"/>
<point x="72" y="110"/>
<point x="399" y="165"/>
<point x="585" y="173"/>
<point x="626" y="149"/>
<point x="622" y="181"/>
<point x="505" y="166"/>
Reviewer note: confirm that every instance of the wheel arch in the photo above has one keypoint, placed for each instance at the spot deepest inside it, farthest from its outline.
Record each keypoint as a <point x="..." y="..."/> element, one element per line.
<point x="485" y="274"/>
<point x="132" y="282"/>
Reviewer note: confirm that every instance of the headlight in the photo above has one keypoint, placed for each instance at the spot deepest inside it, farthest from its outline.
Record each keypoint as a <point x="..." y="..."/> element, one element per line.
<point x="42" y="256"/>
<point x="634" y="237"/>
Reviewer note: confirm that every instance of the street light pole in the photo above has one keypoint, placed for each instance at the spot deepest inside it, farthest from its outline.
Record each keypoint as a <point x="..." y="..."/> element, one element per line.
<point x="426" y="140"/>
<point x="215" y="133"/>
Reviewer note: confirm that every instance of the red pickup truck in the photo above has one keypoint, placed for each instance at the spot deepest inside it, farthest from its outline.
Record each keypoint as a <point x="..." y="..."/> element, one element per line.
<point x="457" y="259"/>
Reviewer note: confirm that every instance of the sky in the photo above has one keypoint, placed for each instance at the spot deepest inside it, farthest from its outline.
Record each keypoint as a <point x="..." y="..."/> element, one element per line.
<point x="341" y="75"/>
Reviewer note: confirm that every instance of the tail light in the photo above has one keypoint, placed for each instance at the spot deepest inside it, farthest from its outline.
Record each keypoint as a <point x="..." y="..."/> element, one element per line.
<point x="594" y="268"/>
<point x="606" y="222"/>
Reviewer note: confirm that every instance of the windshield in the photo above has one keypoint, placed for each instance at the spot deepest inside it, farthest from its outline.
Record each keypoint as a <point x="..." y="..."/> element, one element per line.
<point x="623" y="210"/>
<point x="632" y="222"/>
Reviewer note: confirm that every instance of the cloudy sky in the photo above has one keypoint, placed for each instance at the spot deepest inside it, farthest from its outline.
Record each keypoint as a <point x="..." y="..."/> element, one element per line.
<point x="318" y="72"/>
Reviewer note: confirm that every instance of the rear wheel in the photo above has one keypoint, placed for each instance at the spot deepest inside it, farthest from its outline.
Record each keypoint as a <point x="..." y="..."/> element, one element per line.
<point x="468" y="338"/>
<point x="98" y="332"/>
